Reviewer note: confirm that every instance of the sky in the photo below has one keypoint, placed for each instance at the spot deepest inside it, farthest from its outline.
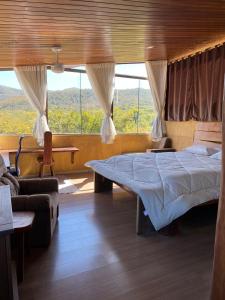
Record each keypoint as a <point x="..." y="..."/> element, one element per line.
<point x="68" y="80"/>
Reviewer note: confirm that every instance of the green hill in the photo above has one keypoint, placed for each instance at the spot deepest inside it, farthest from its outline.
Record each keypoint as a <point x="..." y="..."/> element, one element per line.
<point x="8" y="92"/>
<point x="64" y="111"/>
<point x="13" y="99"/>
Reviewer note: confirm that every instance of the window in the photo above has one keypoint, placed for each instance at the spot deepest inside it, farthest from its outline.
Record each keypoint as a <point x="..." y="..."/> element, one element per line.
<point x="72" y="106"/>
<point x="91" y="113"/>
<point x="132" y="106"/>
<point x="16" y="113"/>
<point x="146" y="113"/>
<point x="131" y="69"/>
<point x="125" y="105"/>
<point x="64" y="114"/>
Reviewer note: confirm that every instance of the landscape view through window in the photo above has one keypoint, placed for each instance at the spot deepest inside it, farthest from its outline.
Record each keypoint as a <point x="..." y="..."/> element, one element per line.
<point x="72" y="106"/>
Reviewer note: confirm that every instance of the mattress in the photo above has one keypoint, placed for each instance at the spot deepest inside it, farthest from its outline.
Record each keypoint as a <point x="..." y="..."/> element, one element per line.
<point x="169" y="184"/>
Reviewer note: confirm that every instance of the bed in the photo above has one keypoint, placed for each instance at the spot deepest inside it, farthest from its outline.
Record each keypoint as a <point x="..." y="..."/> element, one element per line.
<point x="168" y="184"/>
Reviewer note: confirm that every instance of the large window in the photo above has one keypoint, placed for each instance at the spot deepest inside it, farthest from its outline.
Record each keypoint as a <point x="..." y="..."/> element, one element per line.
<point x="146" y="113"/>
<point x="72" y="106"/>
<point x="64" y="113"/>
<point x="91" y="113"/>
<point x="133" y="107"/>
<point x="125" y="105"/>
<point x="16" y="114"/>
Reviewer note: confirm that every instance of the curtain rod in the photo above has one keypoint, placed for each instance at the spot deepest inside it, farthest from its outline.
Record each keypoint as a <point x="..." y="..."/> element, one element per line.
<point x="84" y="72"/>
<point x="116" y="75"/>
<point x="195" y="53"/>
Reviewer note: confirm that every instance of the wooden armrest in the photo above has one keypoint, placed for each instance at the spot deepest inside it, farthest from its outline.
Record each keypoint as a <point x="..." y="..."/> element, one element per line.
<point x="161" y="150"/>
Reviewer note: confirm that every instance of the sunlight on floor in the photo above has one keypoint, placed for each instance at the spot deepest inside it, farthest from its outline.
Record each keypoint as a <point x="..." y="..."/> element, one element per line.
<point x="74" y="185"/>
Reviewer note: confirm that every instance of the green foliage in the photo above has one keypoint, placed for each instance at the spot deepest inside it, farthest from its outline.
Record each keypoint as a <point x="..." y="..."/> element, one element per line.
<point x="66" y="115"/>
<point x="69" y="121"/>
<point x="64" y="121"/>
<point x="91" y="121"/>
<point x="16" y="122"/>
<point x="129" y="120"/>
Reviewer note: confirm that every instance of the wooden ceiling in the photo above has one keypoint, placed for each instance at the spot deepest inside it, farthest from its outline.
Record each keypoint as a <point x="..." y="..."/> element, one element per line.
<point x="107" y="30"/>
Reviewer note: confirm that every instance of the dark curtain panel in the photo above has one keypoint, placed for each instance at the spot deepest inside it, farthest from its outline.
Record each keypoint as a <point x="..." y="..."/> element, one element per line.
<point x="195" y="87"/>
<point x="180" y="91"/>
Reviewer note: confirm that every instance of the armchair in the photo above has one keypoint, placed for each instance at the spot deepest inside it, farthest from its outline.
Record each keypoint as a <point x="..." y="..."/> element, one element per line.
<point x="41" y="197"/>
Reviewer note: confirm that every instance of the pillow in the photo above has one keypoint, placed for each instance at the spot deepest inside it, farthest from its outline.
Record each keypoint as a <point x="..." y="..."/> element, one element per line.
<point x="217" y="155"/>
<point x="201" y="150"/>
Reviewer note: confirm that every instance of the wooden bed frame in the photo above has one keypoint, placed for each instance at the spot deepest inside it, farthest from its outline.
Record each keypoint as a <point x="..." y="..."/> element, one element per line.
<point x="206" y="133"/>
<point x="209" y="134"/>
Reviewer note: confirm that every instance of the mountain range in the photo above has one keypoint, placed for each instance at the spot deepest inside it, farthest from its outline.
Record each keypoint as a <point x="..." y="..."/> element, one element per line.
<point x="14" y="99"/>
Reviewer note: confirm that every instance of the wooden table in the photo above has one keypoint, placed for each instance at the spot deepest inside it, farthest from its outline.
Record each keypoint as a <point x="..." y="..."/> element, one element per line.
<point x="22" y="223"/>
<point x="71" y="150"/>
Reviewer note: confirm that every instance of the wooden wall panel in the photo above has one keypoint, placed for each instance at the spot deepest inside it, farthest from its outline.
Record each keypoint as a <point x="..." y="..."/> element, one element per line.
<point x="181" y="133"/>
<point x="90" y="148"/>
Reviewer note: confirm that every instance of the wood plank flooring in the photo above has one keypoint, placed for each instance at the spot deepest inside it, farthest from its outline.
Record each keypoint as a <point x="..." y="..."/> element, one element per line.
<point x="95" y="253"/>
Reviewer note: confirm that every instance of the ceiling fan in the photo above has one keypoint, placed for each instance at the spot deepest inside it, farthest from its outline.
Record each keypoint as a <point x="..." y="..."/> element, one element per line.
<point x="57" y="67"/>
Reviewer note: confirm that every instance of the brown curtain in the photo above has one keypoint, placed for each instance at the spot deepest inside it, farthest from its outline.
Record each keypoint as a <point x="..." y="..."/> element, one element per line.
<point x="195" y="87"/>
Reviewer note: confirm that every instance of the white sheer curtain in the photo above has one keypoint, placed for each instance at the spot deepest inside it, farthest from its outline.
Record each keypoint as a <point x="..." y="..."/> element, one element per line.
<point x="33" y="81"/>
<point x="101" y="77"/>
<point x="157" y="76"/>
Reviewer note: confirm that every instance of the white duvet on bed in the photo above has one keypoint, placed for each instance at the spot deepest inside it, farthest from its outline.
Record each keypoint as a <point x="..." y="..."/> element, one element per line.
<point x="169" y="184"/>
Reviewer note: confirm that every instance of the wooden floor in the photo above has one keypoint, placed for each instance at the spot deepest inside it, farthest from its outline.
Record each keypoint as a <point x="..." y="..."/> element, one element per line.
<point x="95" y="253"/>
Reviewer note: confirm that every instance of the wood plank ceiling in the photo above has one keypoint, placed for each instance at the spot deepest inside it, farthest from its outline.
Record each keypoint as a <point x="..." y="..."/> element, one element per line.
<point x="107" y="30"/>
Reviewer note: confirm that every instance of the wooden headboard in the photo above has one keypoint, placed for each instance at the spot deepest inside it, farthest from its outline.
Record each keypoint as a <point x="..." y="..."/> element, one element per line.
<point x="209" y="134"/>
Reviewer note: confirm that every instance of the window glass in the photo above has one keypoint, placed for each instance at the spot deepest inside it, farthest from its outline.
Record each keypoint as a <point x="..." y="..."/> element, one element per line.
<point x="131" y="69"/>
<point x="133" y="106"/>
<point x="146" y="111"/>
<point x="125" y="105"/>
<point x="73" y="107"/>
<point x="16" y="113"/>
<point x="64" y="109"/>
<point x="91" y="113"/>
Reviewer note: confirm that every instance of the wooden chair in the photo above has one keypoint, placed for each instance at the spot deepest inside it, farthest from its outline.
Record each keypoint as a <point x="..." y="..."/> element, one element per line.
<point x="46" y="159"/>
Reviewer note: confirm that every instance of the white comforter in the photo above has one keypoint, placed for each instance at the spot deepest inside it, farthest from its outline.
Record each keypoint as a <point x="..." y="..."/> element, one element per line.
<point x="169" y="184"/>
